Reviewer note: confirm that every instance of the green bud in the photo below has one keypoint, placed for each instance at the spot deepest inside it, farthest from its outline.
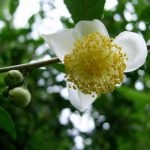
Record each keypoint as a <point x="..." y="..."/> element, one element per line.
<point x="14" y="78"/>
<point x="20" y="96"/>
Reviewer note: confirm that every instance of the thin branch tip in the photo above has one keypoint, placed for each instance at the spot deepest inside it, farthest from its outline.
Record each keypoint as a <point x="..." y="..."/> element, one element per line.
<point x="30" y="66"/>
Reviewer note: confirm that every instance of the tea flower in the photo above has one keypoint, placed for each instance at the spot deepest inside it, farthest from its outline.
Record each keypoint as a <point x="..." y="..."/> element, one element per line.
<point x="94" y="62"/>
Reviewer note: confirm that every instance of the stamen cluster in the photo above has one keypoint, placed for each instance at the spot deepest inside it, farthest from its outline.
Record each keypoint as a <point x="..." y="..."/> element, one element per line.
<point x="95" y="64"/>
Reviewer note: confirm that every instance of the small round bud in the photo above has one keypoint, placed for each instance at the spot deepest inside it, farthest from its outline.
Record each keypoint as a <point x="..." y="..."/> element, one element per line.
<point x="20" y="96"/>
<point x="14" y="78"/>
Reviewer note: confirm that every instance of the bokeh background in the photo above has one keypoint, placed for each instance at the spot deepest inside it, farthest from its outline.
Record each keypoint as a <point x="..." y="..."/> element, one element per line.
<point x="116" y="121"/>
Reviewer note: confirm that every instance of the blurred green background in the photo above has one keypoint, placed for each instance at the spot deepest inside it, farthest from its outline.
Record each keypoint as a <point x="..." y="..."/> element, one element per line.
<point x="117" y="121"/>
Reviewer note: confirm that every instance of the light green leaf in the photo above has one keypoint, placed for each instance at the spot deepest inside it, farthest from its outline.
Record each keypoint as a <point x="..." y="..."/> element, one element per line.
<point x="85" y="9"/>
<point x="139" y="97"/>
<point x="3" y="5"/>
<point x="6" y="123"/>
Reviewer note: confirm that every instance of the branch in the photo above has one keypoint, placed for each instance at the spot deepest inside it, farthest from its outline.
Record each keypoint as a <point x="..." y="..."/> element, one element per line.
<point x="37" y="64"/>
<point x="30" y="65"/>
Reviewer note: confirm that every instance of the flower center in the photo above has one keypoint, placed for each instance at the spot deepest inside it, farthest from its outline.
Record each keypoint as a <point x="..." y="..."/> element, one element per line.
<point x="95" y="64"/>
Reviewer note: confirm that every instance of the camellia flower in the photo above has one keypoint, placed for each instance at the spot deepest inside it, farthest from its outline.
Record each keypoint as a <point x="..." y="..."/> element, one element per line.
<point x="94" y="62"/>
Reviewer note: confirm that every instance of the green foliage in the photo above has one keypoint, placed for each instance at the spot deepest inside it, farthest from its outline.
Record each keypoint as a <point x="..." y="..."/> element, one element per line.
<point x="133" y="94"/>
<point x="9" y="5"/>
<point x="145" y="14"/>
<point x="6" y="123"/>
<point x="13" y="5"/>
<point x="59" y="67"/>
<point x="85" y="9"/>
<point x="39" y="125"/>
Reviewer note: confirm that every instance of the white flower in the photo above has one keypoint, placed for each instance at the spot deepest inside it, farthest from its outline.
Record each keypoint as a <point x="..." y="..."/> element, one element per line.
<point x="94" y="62"/>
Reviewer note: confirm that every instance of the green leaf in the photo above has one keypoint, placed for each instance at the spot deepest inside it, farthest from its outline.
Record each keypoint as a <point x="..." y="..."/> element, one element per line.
<point x="6" y="123"/>
<point x="85" y="9"/>
<point x="139" y="97"/>
<point x="13" y="6"/>
<point x="31" y="19"/>
<point x="59" y="67"/>
<point x="145" y="14"/>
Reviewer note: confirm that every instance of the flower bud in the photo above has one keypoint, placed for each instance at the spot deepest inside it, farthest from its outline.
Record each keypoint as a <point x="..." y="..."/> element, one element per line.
<point x="14" y="78"/>
<point x="20" y="96"/>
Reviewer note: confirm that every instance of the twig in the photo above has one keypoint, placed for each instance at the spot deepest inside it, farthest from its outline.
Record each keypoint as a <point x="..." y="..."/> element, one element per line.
<point x="30" y="65"/>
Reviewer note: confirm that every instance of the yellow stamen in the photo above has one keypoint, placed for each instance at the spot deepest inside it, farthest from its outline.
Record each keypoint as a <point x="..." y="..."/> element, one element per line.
<point x="95" y="64"/>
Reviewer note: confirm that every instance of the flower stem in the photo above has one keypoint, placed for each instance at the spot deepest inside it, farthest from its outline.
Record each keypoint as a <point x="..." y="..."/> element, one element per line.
<point x="29" y="66"/>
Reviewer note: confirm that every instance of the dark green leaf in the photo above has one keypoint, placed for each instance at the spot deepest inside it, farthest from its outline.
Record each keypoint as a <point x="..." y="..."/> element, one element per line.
<point x="31" y="19"/>
<point x="6" y="123"/>
<point x="67" y="23"/>
<point x="85" y="9"/>
<point x="145" y="14"/>
<point x="59" y="67"/>
<point x="13" y="5"/>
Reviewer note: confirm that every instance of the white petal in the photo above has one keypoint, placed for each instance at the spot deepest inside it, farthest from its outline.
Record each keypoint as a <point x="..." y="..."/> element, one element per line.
<point x="86" y="27"/>
<point x="86" y="100"/>
<point x="135" y="48"/>
<point x="79" y="100"/>
<point x="61" y="42"/>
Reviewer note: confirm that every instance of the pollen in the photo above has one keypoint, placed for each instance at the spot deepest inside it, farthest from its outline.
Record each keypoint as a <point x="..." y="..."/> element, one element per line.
<point x="95" y="64"/>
